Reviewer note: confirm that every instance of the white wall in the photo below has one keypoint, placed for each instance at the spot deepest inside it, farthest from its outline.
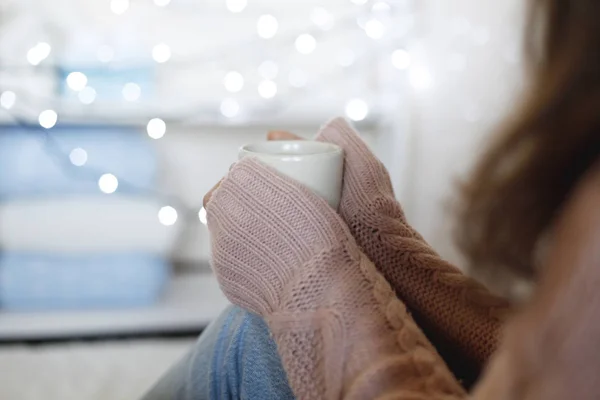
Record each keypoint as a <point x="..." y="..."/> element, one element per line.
<point x="465" y="77"/>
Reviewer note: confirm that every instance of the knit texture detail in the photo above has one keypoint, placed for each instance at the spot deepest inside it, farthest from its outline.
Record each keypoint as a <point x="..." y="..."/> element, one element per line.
<point x="281" y="251"/>
<point x="454" y="310"/>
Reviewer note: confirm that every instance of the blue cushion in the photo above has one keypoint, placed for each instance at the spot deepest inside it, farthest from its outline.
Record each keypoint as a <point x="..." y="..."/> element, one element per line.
<point x="35" y="161"/>
<point x="31" y="281"/>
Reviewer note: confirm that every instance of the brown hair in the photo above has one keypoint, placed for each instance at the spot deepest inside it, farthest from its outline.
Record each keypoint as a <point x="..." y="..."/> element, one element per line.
<point x="522" y="181"/>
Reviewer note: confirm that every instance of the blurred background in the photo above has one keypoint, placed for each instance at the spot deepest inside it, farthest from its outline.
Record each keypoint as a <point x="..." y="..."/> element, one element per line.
<point x="116" y="116"/>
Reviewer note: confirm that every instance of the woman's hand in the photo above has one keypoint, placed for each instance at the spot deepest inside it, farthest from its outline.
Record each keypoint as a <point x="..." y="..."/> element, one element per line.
<point x="282" y="135"/>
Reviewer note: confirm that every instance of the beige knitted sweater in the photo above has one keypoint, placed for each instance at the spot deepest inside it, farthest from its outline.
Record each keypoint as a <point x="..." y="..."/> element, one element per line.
<point x="320" y="280"/>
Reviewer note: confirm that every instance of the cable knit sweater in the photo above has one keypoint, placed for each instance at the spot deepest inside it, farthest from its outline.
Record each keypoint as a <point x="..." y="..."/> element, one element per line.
<point x="319" y="280"/>
<point x="458" y="315"/>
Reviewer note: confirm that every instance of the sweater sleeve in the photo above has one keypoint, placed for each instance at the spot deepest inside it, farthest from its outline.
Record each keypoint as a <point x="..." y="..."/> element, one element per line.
<point x="460" y="317"/>
<point x="280" y="251"/>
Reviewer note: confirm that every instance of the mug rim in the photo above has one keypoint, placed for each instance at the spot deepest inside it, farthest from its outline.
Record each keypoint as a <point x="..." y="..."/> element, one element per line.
<point x="328" y="149"/>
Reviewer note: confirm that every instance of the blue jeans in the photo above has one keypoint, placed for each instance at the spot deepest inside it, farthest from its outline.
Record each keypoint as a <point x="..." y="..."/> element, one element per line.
<point x="235" y="358"/>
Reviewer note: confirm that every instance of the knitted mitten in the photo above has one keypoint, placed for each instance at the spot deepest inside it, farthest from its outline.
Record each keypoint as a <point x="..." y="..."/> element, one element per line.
<point x="281" y="251"/>
<point x="460" y="316"/>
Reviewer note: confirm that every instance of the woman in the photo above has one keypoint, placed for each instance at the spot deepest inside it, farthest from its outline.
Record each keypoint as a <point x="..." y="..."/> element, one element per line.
<point x="328" y="293"/>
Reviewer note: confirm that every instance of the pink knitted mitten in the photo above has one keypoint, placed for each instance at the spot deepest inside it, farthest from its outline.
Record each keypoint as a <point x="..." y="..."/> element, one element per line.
<point x="281" y="251"/>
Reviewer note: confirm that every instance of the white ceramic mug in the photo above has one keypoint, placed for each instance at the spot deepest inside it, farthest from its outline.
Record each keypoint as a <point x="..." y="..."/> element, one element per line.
<point x="317" y="165"/>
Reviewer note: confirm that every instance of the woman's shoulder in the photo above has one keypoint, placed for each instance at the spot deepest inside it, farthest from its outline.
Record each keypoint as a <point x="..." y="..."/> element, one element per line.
<point x="578" y="223"/>
<point x="546" y="346"/>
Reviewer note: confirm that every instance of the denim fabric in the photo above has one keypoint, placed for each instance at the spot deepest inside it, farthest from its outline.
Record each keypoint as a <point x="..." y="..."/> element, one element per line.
<point x="235" y="358"/>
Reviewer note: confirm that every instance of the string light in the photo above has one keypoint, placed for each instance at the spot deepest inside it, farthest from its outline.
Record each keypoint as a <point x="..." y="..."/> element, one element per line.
<point x="77" y="81"/>
<point x="230" y="108"/>
<point x="374" y="29"/>
<point x="267" y="26"/>
<point x="401" y="59"/>
<point x="38" y="53"/>
<point x="87" y="95"/>
<point x="236" y="6"/>
<point x="161" y="53"/>
<point x="306" y="43"/>
<point x="131" y="91"/>
<point x="119" y="6"/>
<point x="78" y="157"/>
<point x="202" y="216"/>
<point x="357" y="109"/>
<point x="267" y="89"/>
<point x="48" y="119"/>
<point x="233" y="82"/>
<point x="108" y="183"/>
<point x="105" y="54"/>
<point x="156" y="128"/>
<point x="346" y="58"/>
<point x="167" y="215"/>
<point x="162" y="3"/>
<point x="322" y="18"/>
<point x="268" y="69"/>
<point x="8" y="99"/>
<point x="297" y="78"/>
